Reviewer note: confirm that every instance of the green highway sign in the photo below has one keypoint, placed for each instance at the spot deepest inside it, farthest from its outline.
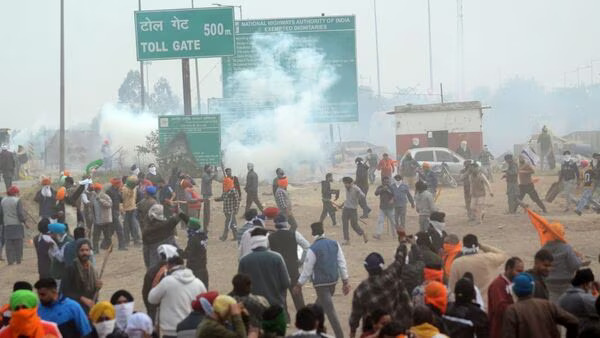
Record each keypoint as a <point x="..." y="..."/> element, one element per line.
<point x="184" y="33"/>
<point x="333" y="36"/>
<point x="195" y="136"/>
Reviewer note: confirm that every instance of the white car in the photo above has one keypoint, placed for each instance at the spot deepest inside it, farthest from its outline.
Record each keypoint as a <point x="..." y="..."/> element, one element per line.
<point x="436" y="156"/>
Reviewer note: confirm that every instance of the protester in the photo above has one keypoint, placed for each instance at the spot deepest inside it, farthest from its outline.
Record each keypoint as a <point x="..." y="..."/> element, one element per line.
<point x="372" y="161"/>
<point x="423" y="324"/>
<point x="70" y="250"/>
<point x="481" y="260"/>
<point x="386" y="165"/>
<point x="320" y="314"/>
<point x="431" y="273"/>
<point x="383" y="290"/>
<point x="190" y="202"/>
<point x="486" y="158"/>
<point x="424" y="204"/>
<point x="578" y="299"/>
<point x="266" y="269"/>
<point x="153" y="175"/>
<point x="402" y="197"/>
<point x="282" y="198"/>
<point x="251" y="188"/>
<point x="114" y="192"/>
<point x="541" y="269"/>
<point x="546" y="152"/>
<point x="463" y="150"/>
<point x="231" y="205"/>
<point x="437" y="230"/>
<point x="80" y="281"/>
<point x="464" y="318"/>
<point x="13" y="226"/>
<point x="66" y="313"/>
<point x="206" y="190"/>
<point x="144" y="206"/>
<point x="166" y="197"/>
<point x="58" y="232"/>
<point x="436" y="298"/>
<point x="429" y="178"/>
<point x="526" y="186"/>
<point x="195" y="251"/>
<point x="306" y="324"/>
<point x="255" y="305"/>
<point x="25" y="321"/>
<point x="245" y="245"/>
<point x="511" y="174"/>
<point x="102" y="206"/>
<point x="139" y="325"/>
<point x="285" y="242"/>
<point x="499" y="296"/>
<point x="325" y="264"/>
<point x="408" y="169"/>
<point x="124" y="306"/>
<point x="349" y="212"/>
<point x="45" y="198"/>
<point x="479" y="185"/>
<point x="174" y="294"/>
<point x="386" y="207"/>
<point x="7" y="165"/>
<point x="274" y="322"/>
<point x="565" y="263"/>
<point x="465" y="177"/>
<point x="429" y="253"/>
<point x="131" y="227"/>
<point x="225" y="309"/>
<point x="450" y="251"/>
<point x="326" y="194"/>
<point x="158" y="231"/>
<point x="568" y="176"/>
<point x="374" y="323"/>
<point x="42" y="243"/>
<point x="5" y="312"/>
<point x="362" y="182"/>
<point x="534" y="317"/>
<point x="187" y="327"/>
<point x="155" y="274"/>
<point x="102" y="316"/>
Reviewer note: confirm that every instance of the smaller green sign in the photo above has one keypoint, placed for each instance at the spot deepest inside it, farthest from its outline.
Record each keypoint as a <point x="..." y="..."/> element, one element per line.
<point x="197" y="136"/>
<point x="184" y="33"/>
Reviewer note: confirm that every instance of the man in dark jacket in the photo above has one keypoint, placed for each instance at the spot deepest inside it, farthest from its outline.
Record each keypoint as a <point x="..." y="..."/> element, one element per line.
<point x="159" y="230"/>
<point x="464" y="318"/>
<point x="206" y="190"/>
<point x="266" y="269"/>
<point x="362" y="181"/>
<point x="534" y="317"/>
<point x="285" y="242"/>
<point x="80" y="281"/>
<point x="386" y="207"/>
<point x="541" y="269"/>
<point x="114" y="192"/>
<point x="326" y="194"/>
<point x="383" y="289"/>
<point x="511" y="174"/>
<point x="251" y="188"/>
<point x="437" y="231"/>
<point x="195" y="251"/>
<point x="7" y="166"/>
<point x="568" y="175"/>
<point x="578" y="299"/>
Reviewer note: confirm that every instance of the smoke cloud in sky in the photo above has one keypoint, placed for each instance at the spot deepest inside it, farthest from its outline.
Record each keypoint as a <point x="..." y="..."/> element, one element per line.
<point x="293" y="79"/>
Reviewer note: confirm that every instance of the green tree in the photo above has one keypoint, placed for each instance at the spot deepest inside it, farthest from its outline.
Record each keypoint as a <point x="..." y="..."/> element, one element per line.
<point x="162" y="100"/>
<point x="130" y="91"/>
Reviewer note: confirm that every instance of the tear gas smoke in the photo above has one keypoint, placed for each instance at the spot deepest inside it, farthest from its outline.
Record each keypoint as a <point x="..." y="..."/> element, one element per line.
<point x="293" y="79"/>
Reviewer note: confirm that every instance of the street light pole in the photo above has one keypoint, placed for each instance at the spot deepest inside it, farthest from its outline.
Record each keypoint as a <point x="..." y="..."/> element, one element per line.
<point x="430" y="50"/>
<point x="199" y="102"/>
<point x="143" y="93"/>
<point x="377" y="51"/>
<point x="62" y="87"/>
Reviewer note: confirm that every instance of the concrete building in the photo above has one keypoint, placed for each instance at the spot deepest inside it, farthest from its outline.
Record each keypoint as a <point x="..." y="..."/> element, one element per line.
<point x="439" y="125"/>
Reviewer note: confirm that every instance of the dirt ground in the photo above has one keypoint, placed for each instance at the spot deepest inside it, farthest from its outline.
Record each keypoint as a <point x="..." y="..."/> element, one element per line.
<point x="512" y="233"/>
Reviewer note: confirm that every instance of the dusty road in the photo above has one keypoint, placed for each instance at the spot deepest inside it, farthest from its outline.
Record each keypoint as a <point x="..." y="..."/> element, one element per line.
<point x="512" y="233"/>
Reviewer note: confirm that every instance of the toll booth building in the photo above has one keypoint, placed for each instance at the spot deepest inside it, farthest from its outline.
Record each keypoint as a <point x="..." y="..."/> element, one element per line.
<point x="439" y="125"/>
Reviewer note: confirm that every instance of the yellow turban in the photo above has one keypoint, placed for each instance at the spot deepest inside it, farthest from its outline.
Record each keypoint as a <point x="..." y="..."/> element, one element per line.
<point x="102" y="309"/>
<point x="222" y="303"/>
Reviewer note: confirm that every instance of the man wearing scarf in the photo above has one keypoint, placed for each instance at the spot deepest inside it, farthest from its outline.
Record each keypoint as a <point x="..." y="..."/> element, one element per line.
<point x="231" y="205"/>
<point x="159" y="230"/>
<point x="483" y="261"/>
<point x="80" y="281"/>
<point x="436" y="298"/>
<point x="266" y="269"/>
<point x="437" y="230"/>
<point x="143" y="206"/>
<point x="13" y="220"/>
<point x="60" y="237"/>
<point x="153" y="174"/>
<point x="124" y="305"/>
<point x="25" y="321"/>
<point x="45" y="198"/>
<point x="451" y="250"/>
<point x="102" y="316"/>
<point x="282" y="197"/>
<point x="195" y="251"/>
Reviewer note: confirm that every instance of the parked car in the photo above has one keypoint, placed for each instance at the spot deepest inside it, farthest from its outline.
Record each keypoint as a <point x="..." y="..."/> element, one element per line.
<point x="436" y="156"/>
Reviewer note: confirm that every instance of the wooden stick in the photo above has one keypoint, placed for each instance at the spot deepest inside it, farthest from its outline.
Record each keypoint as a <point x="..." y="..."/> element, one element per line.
<point x="106" y="256"/>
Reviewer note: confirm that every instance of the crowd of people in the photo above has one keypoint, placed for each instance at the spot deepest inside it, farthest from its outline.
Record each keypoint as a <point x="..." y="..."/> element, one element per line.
<point x="436" y="284"/>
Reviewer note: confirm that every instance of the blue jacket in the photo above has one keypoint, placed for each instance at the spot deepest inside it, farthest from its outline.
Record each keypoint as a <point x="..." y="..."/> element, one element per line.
<point x="68" y="316"/>
<point x="325" y="271"/>
<point x="402" y="195"/>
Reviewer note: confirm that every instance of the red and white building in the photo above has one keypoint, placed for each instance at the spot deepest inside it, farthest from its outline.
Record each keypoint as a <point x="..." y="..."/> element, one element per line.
<point x="439" y="125"/>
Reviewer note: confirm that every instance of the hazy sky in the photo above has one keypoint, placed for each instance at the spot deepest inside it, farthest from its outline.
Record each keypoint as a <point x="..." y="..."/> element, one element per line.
<point x="539" y="39"/>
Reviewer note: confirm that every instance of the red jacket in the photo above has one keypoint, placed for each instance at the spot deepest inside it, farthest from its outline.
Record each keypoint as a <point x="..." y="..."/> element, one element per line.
<point x="386" y="167"/>
<point x="499" y="298"/>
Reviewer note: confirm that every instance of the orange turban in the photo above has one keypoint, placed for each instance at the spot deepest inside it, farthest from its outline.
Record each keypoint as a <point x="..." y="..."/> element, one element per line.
<point x="227" y="184"/>
<point x="186" y="184"/>
<point x="436" y="295"/>
<point x="282" y="182"/>
<point x="46" y="181"/>
<point x="116" y="182"/>
<point x="271" y="212"/>
<point x="97" y="186"/>
<point x="67" y="173"/>
<point x="60" y="194"/>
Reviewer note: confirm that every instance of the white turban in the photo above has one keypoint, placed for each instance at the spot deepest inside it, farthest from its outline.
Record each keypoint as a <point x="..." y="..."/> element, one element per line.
<point x="139" y="324"/>
<point x="168" y="250"/>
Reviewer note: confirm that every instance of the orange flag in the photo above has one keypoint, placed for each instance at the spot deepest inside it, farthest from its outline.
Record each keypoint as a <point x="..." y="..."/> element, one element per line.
<point x="546" y="231"/>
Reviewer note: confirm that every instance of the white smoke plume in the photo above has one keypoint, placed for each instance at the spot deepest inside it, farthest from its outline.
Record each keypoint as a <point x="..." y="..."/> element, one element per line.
<point x="293" y="78"/>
